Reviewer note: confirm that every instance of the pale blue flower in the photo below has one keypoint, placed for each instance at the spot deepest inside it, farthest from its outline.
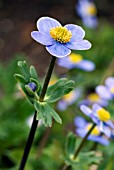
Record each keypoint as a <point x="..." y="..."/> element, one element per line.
<point x="76" y="61"/>
<point x="87" y="11"/>
<point x="82" y="127"/>
<point x="59" y="40"/>
<point x="93" y="98"/>
<point x="106" y="91"/>
<point x="100" y="116"/>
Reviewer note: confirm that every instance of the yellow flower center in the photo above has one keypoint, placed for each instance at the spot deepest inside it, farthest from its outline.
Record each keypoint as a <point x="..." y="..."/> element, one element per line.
<point x="93" y="97"/>
<point x="75" y="58"/>
<point x="95" y="131"/>
<point x="112" y="90"/>
<point x="92" y="9"/>
<point x="103" y="115"/>
<point x="68" y="96"/>
<point x="60" y="34"/>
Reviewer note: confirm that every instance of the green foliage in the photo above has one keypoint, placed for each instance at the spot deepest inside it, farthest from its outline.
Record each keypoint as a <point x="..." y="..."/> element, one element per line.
<point x="58" y="90"/>
<point x="27" y="77"/>
<point x="70" y="146"/>
<point x="54" y="93"/>
<point x="15" y="111"/>
<point x="46" y="113"/>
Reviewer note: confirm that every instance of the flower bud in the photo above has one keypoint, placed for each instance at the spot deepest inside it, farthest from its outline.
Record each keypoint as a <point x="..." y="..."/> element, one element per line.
<point x="32" y="86"/>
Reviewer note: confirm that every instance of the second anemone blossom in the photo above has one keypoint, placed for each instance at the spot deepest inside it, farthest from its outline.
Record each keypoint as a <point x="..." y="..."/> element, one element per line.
<point x="59" y="40"/>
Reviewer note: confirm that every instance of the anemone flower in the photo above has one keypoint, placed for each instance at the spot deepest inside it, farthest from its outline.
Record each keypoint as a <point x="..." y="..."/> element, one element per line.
<point x="76" y="61"/>
<point x="93" y="98"/>
<point x="59" y="40"/>
<point x="106" y="91"/>
<point x="87" y="11"/>
<point x="82" y="127"/>
<point x="100" y="116"/>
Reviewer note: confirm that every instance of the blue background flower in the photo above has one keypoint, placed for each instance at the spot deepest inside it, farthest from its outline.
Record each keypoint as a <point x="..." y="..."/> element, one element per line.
<point x="82" y="128"/>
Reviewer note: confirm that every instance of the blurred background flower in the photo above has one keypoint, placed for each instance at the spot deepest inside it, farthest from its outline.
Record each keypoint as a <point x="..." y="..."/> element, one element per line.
<point x="87" y="11"/>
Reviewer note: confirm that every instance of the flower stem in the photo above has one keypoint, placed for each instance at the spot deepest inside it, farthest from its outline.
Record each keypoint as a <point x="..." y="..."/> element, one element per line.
<point x="67" y="167"/>
<point x="29" y="142"/>
<point x="35" y="122"/>
<point x="47" y="79"/>
<point x="83" y="141"/>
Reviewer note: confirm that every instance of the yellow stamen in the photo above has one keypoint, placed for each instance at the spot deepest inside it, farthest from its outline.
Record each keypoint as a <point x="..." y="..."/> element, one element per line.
<point x="68" y="96"/>
<point x="103" y="115"/>
<point x="95" y="131"/>
<point x="60" y="34"/>
<point x="75" y="58"/>
<point x="92" y="9"/>
<point x="112" y="90"/>
<point x="93" y="97"/>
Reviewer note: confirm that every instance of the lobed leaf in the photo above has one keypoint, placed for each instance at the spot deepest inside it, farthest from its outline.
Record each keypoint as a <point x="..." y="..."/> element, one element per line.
<point x="58" y="90"/>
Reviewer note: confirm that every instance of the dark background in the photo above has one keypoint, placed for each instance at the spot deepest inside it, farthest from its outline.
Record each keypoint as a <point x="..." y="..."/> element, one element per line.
<point x="18" y="18"/>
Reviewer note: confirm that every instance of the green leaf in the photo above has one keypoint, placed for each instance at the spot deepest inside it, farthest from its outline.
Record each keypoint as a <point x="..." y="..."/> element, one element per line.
<point x="30" y="97"/>
<point x="29" y="90"/>
<point x="45" y="112"/>
<point x="20" y="78"/>
<point x="24" y="70"/>
<point x="89" y="158"/>
<point x="70" y="146"/>
<point x="33" y="72"/>
<point x="54" y="114"/>
<point x="59" y="89"/>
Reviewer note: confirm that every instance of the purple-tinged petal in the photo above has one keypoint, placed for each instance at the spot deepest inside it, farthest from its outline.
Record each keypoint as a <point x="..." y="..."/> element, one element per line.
<point x="90" y="21"/>
<point x="58" y="50"/>
<point x="103" y="92"/>
<point x="86" y="110"/>
<point x="44" y="24"/>
<point x="99" y="139"/>
<point x="96" y="107"/>
<point x="81" y="132"/>
<point x="86" y="65"/>
<point x="100" y="125"/>
<point x="110" y="124"/>
<point x="110" y="82"/>
<point x="41" y="38"/>
<point x="62" y="105"/>
<point x="77" y="32"/>
<point x="65" y="62"/>
<point x="80" y="122"/>
<point x="106" y="131"/>
<point x="95" y="118"/>
<point x="79" y="45"/>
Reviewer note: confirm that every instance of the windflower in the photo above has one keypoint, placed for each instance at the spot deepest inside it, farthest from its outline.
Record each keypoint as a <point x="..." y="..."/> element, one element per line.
<point x="87" y="11"/>
<point x="106" y="91"/>
<point x="100" y="116"/>
<point x="69" y="99"/>
<point x="59" y="40"/>
<point x="76" y="61"/>
<point x="82" y="127"/>
<point x="93" y="98"/>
